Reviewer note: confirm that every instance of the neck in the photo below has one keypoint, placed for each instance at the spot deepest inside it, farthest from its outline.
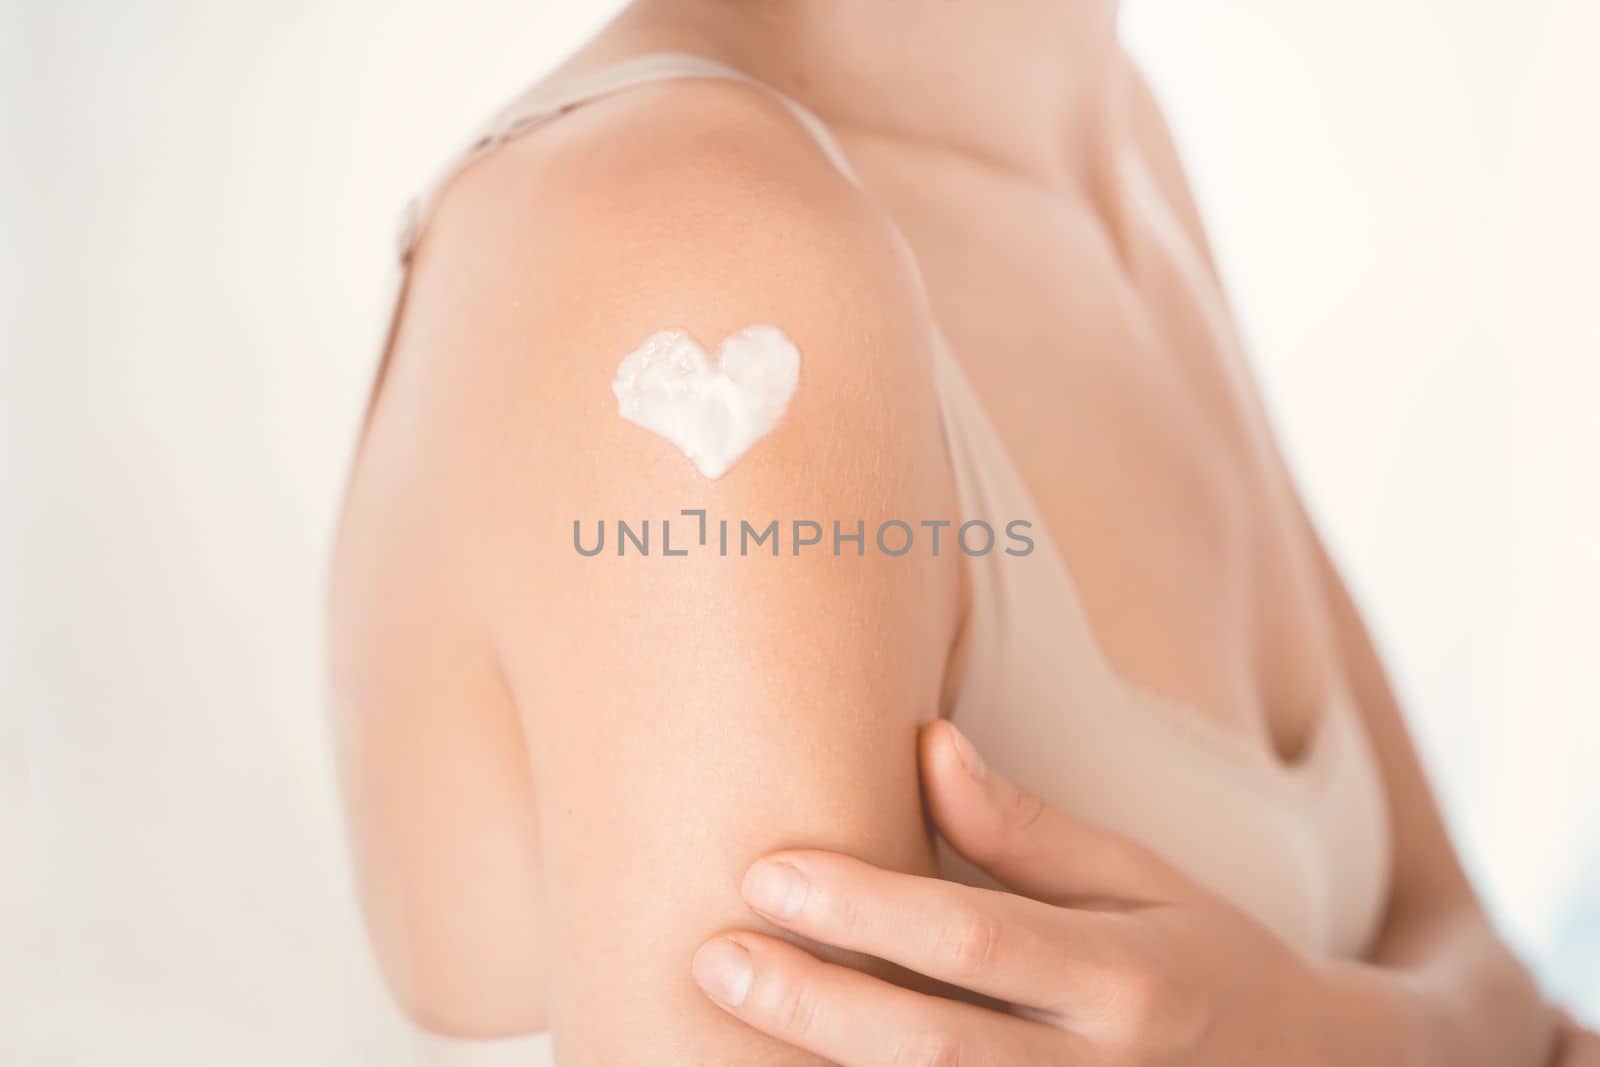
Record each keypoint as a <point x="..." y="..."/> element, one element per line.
<point x="1017" y="83"/>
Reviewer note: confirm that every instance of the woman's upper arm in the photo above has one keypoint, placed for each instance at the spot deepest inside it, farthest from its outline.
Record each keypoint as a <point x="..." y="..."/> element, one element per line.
<point x="685" y="713"/>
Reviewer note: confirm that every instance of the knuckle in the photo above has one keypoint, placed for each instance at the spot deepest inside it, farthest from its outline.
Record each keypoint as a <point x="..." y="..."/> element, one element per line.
<point x="1024" y="811"/>
<point x="794" y="1009"/>
<point x="969" y="940"/>
<point x="1142" y="996"/>
<point x="1157" y="1009"/>
<point x="839" y="913"/>
<point x="933" y="1049"/>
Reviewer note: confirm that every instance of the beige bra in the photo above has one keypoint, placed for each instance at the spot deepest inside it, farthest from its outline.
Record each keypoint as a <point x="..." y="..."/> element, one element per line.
<point x="1303" y="847"/>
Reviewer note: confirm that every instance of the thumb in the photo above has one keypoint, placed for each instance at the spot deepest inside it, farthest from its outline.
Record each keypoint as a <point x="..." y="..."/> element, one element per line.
<point x="1025" y="843"/>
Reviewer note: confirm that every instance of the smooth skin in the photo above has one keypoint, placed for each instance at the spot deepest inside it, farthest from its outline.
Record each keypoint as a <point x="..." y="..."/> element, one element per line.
<point x="558" y="770"/>
<point x="1106" y="955"/>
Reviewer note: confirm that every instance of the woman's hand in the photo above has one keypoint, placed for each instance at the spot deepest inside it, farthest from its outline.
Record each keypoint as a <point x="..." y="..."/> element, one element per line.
<point x="1117" y="958"/>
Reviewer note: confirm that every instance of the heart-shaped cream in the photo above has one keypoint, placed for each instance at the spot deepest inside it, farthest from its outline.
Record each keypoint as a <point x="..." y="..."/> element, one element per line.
<point x="714" y="413"/>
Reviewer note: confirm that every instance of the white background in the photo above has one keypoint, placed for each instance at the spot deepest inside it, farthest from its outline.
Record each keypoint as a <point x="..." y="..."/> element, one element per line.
<point x="196" y="227"/>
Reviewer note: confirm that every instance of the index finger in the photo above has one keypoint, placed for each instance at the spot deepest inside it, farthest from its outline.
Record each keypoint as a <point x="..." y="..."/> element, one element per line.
<point x="856" y="1020"/>
<point x="999" y="944"/>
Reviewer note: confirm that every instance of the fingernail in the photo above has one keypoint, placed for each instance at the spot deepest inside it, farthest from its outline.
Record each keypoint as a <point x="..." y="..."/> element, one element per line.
<point x="776" y="889"/>
<point x="967" y="754"/>
<point x="722" y="969"/>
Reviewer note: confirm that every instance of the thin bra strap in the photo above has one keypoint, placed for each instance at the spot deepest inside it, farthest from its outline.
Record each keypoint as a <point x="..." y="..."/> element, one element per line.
<point x="543" y="102"/>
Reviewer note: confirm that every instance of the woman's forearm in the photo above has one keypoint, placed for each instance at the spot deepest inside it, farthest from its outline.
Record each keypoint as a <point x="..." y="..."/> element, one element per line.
<point x="1449" y="996"/>
<point x="1441" y="987"/>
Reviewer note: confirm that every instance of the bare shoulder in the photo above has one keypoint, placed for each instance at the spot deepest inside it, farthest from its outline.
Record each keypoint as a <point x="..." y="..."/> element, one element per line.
<point x="692" y="198"/>
<point x="696" y="206"/>
<point x="670" y="192"/>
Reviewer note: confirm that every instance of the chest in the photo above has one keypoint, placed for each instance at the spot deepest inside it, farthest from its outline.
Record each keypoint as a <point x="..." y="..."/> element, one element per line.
<point x="1095" y="334"/>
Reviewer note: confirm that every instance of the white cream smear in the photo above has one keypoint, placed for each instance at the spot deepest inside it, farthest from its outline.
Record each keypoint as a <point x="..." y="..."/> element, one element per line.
<point x="712" y="412"/>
